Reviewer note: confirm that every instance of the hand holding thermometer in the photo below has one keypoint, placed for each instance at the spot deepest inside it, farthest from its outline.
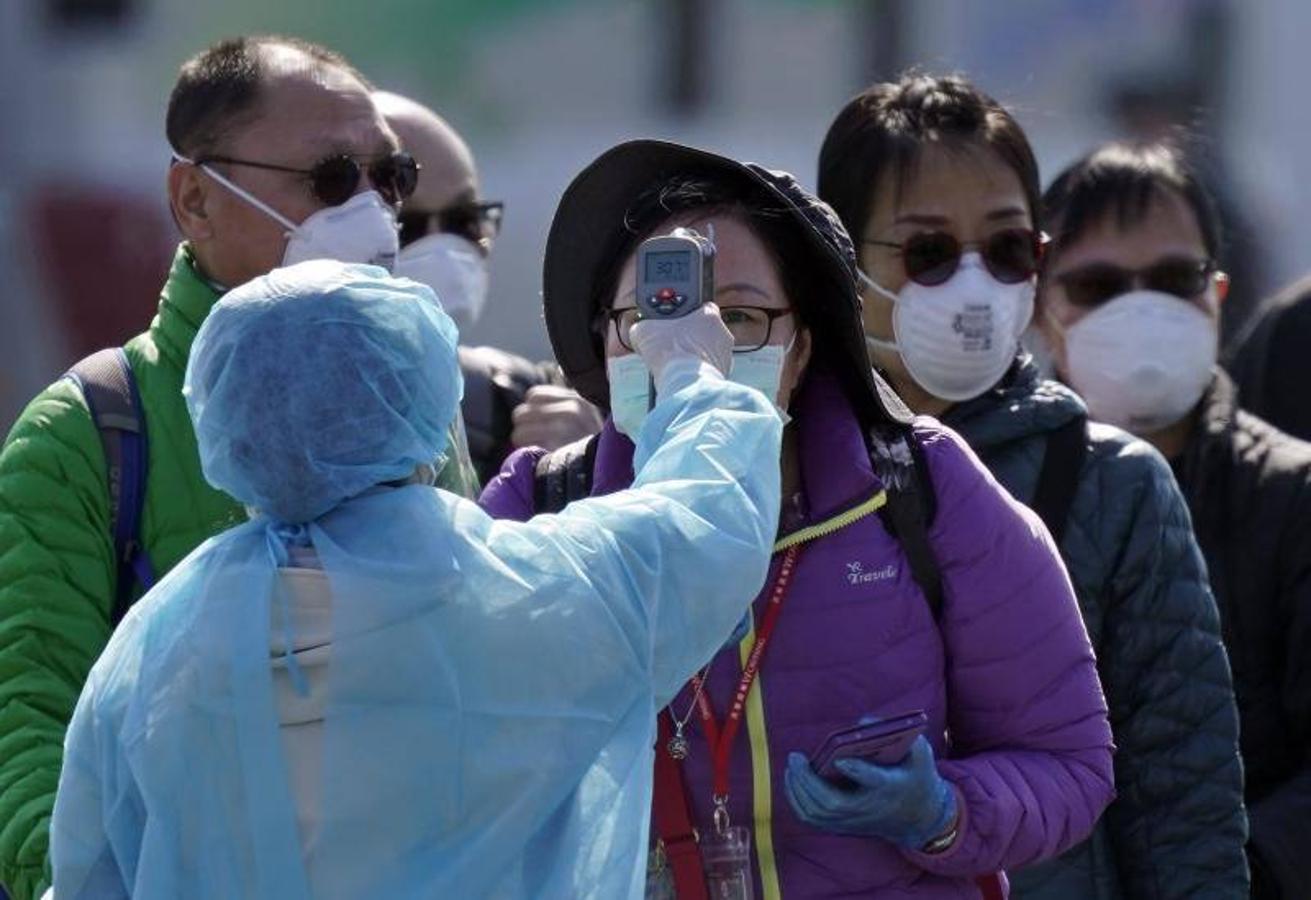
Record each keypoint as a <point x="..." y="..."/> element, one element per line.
<point x="675" y="275"/>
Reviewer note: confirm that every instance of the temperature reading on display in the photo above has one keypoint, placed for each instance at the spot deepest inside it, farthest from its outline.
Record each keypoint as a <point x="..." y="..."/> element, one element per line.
<point x="675" y="274"/>
<point x="672" y="265"/>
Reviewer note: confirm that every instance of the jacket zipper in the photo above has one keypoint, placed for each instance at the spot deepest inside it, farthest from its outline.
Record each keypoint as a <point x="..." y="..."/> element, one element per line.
<point x="835" y="523"/>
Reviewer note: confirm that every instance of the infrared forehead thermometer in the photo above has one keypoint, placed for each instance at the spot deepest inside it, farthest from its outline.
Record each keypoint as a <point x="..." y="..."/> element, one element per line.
<point x="675" y="274"/>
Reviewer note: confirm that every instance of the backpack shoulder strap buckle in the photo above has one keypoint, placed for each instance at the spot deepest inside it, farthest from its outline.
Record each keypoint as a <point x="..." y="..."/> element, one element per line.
<point x="899" y="463"/>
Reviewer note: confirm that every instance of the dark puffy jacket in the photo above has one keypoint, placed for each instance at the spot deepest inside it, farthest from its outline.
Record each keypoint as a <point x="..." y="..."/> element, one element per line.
<point x="1272" y="361"/>
<point x="1177" y="826"/>
<point x="1249" y="488"/>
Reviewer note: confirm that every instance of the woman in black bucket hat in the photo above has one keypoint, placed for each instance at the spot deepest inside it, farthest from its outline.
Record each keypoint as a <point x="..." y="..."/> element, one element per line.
<point x="905" y="581"/>
<point x="585" y="247"/>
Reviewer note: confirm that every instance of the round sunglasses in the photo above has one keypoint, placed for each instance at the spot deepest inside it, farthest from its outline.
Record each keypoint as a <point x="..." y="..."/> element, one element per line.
<point x="477" y="222"/>
<point x="1094" y="284"/>
<point x="334" y="179"/>
<point x="932" y="257"/>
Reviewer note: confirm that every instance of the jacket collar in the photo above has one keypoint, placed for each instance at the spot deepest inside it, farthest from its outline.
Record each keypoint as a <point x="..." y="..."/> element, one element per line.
<point x="184" y="303"/>
<point x="1216" y="420"/>
<point x="1022" y="404"/>
<point x="1217" y="413"/>
<point x="836" y="471"/>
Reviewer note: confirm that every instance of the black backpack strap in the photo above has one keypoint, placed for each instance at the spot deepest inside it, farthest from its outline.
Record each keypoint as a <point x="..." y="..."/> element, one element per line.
<point x="1058" y="479"/>
<point x="564" y="475"/>
<point x="110" y="390"/>
<point x="899" y="462"/>
<point x="495" y="382"/>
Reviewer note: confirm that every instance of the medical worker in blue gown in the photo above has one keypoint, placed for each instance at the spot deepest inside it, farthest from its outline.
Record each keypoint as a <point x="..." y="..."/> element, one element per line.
<point x="374" y="690"/>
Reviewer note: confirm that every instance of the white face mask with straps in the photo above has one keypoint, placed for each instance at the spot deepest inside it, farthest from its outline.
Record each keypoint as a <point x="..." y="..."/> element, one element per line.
<point x="454" y="268"/>
<point x="1142" y="360"/>
<point x="361" y="230"/>
<point x="958" y="338"/>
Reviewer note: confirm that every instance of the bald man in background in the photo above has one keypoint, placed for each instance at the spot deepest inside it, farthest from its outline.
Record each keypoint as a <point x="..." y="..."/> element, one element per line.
<point x="447" y="232"/>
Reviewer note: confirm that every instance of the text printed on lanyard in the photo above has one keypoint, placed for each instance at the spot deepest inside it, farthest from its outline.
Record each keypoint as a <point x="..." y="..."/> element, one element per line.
<point x="720" y="738"/>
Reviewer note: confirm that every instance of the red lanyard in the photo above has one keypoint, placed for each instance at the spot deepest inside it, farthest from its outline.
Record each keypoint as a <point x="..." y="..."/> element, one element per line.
<point x="721" y="740"/>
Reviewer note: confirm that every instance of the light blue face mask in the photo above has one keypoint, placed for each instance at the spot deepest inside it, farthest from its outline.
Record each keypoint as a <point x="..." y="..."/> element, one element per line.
<point x="630" y="393"/>
<point x="762" y="369"/>
<point x="630" y="383"/>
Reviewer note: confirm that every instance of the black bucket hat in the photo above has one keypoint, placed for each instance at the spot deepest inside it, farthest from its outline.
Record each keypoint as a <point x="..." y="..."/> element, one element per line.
<point x="590" y="230"/>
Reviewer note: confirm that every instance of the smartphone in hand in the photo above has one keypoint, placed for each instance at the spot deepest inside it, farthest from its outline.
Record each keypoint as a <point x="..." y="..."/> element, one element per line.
<point x="885" y="742"/>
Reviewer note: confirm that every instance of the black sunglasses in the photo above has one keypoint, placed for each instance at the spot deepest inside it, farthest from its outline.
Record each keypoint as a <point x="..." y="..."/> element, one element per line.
<point x="479" y="223"/>
<point x="931" y="257"/>
<point x="334" y="180"/>
<point x="1092" y="285"/>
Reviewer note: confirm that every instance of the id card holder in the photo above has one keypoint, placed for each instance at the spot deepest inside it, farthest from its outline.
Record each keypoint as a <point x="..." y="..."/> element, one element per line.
<point x="726" y="856"/>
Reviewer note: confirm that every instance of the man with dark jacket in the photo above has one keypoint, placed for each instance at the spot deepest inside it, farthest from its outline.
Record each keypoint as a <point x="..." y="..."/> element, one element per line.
<point x="1131" y="305"/>
<point x="1249" y="491"/>
<point x="280" y="156"/>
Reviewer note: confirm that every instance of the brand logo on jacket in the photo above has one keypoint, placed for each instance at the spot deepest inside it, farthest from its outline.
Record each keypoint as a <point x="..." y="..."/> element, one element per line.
<point x="856" y="573"/>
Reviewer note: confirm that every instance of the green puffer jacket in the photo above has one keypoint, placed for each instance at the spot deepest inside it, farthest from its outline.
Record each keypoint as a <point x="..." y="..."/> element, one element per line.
<point x="57" y="571"/>
<point x="1177" y="826"/>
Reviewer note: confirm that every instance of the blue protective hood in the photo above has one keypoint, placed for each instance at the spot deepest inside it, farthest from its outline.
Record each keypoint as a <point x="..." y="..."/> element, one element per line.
<point x="316" y="382"/>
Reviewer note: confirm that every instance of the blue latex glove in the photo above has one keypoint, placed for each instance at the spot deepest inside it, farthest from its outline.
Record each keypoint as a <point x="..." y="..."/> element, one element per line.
<point x="908" y="804"/>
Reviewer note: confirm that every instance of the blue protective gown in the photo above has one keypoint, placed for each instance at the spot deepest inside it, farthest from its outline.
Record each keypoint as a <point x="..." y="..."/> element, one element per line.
<point x="491" y="698"/>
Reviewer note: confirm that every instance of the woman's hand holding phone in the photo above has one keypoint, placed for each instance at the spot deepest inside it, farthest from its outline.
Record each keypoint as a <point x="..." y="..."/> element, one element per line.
<point x="907" y="803"/>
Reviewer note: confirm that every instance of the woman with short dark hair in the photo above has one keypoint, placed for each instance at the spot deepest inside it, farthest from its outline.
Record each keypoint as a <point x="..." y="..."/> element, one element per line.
<point x="938" y="185"/>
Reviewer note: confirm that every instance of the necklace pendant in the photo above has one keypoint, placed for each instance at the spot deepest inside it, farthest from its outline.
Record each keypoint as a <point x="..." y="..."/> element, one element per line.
<point x="677" y="747"/>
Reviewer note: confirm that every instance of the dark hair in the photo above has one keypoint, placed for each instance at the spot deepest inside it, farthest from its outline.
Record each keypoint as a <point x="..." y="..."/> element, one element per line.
<point x="774" y="225"/>
<point x="886" y="127"/>
<point x="219" y="87"/>
<point x="1124" y="179"/>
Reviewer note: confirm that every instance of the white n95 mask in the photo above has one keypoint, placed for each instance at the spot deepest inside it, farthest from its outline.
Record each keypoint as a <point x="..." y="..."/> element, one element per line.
<point x="630" y="393"/>
<point x="454" y="268"/>
<point x="958" y="338"/>
<point x="361" y="230"/>
<point x="1142" y="360"/>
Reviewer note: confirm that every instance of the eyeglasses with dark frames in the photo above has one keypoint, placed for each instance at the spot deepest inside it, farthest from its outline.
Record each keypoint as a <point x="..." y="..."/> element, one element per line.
<point x="750" y="326"/>
<point x="334" y="179"/>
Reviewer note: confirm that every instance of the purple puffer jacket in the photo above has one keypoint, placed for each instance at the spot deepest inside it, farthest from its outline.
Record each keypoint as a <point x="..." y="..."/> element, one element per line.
<point x="1016" y="712"/>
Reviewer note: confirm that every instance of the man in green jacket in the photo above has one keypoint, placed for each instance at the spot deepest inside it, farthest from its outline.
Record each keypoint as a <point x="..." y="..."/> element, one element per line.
<point x="267" y="134"/>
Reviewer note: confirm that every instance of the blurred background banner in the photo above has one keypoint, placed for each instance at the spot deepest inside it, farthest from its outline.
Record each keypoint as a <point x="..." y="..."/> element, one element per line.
<point x="540" y="87"/>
